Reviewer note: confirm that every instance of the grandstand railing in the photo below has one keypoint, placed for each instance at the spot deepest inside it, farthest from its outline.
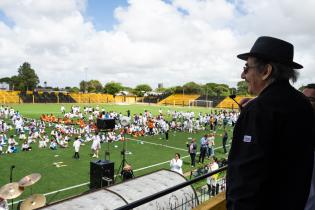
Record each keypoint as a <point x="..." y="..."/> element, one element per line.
<point x="194" y="200"/>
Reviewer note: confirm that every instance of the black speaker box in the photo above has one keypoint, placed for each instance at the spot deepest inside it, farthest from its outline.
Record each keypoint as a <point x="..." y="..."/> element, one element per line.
<point x="101" y="173"/>
<point x="105" y="123"/>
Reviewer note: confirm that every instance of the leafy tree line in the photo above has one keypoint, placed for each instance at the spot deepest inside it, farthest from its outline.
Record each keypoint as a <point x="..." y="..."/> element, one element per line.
<point x="27" y="79"/>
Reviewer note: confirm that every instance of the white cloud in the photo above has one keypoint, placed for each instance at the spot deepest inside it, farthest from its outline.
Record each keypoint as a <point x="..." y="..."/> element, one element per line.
<point x="153" y="42"/>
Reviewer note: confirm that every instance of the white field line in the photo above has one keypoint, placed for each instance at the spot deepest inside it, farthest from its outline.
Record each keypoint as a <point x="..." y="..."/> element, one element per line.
<point x="163" y="145"/>
<point x="139" y="169"/>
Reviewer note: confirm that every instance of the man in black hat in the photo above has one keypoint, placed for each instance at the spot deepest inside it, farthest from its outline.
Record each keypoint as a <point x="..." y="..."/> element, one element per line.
<point x="263" y="173"/>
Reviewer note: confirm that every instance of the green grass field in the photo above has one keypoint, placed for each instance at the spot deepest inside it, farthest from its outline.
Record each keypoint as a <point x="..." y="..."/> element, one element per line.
<point x="155" y="153"/>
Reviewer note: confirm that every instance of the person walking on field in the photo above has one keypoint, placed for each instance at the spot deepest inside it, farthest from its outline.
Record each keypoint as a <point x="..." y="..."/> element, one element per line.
<point x="76" y="145"/>
<point x="96" y="145"/>
<point x="225" y="137"/>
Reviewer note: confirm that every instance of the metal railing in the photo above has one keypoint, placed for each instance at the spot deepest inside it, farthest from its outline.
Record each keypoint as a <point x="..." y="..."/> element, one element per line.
<point x="170" y="190"/>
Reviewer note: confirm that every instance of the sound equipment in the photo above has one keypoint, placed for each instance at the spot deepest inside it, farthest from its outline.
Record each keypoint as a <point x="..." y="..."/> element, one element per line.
<point x="101" y="173"/>
<point x="105" y="124"/>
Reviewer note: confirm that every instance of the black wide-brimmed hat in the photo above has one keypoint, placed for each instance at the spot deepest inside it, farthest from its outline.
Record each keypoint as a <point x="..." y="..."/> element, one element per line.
<point x="272" y="49"/>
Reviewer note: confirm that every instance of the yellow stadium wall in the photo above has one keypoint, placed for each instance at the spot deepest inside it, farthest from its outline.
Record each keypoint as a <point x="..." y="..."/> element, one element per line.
<point x="228" y="103"/>
<point x="179" y="99"/>
<point x="7" y="97"/>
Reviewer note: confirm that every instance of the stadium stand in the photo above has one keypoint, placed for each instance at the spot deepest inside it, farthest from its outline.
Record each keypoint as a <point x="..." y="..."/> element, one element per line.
<point x="9" y="97"/>
<point x="65" y="98"/>
<point x="125" y="99"/>
<point x="45" y="97"/>
<point x="155" y="98"/>
<point x="26" y="97"/>
<point x="179" y="99"/>
<point x="229" y="103"/>
<point x="92" y="97"/>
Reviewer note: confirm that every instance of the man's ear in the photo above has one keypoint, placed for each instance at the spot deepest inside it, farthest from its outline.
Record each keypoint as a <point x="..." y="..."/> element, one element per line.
<point x="267" y="72"/>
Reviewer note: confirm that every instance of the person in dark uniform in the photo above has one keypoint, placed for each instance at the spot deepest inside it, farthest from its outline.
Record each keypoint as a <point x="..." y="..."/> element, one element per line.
<point x="192" y="150"/>
<point x="262" y="171"/>
<point x="224" y="140"/>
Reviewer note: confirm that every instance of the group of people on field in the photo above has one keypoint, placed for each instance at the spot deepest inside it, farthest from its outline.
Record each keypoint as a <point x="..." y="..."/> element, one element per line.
<point x="54" y="134"/>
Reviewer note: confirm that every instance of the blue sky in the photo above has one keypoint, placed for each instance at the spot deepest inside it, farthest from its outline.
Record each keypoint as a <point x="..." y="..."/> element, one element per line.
<point x="101" y="13"/>
<point x="5" y="19"/>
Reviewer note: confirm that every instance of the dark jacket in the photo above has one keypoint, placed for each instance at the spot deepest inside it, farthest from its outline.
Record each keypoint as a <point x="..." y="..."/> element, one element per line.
<point x="194" y="150"/>
<point x="271" y="158"/>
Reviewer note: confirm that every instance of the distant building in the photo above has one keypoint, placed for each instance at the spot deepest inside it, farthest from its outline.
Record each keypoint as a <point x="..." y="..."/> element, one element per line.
<point x="160" y="85"/>
<point x="124" y="93"/>
<point x="4" y="86"/>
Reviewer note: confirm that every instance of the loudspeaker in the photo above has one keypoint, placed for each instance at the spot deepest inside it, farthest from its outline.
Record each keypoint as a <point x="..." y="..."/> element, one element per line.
<point x="101" y="173"/>
<point x="105" y="123"/>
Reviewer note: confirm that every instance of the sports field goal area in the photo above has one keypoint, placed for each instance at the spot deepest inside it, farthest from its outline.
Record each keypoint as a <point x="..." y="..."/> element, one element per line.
<point x="201" y="103"/>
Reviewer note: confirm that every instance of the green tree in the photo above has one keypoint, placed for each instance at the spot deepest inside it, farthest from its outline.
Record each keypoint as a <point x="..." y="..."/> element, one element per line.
<point x="27" y="76"/>
<point x="214" y="89"/>
<point x="141" y="89"/>
<point x="170" y="90"/>
<point x="242" y="88"/>
<point x="7" y="80"/>
<point x="83" y="86"/>
<point x="208" y="90"/>
<point x="161" y="90"/>
<point x="16" y="83"/>
<point x="191" y="87"/>
<point x="178" y="89"/>
<point x="222" y="90"/>
<point x="129" y="89"/>
<point x="233" y="90"/>
<point x="94" y="86"/>
<point x="113" y="88"/>
<point x="74" y="90"/>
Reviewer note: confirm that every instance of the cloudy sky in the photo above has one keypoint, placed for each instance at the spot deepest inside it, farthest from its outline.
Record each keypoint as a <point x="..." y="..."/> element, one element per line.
<point x="148" y="41"/>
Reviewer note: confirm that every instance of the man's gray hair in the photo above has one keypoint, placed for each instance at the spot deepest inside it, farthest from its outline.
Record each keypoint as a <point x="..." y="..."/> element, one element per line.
<point x="279" y="71"/>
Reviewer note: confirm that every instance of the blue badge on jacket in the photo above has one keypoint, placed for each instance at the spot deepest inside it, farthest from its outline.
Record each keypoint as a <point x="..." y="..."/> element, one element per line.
<point x="247" y="139"/>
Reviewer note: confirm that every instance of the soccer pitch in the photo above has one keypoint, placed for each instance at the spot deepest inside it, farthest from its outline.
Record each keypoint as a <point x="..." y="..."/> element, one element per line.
<point x="73" y="176"/>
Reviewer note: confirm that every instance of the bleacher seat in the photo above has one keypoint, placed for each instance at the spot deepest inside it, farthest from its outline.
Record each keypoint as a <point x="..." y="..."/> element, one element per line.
<point x="10" y="97"/>
<point x="178" y="99"/>
<point x="228" y="103"/>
